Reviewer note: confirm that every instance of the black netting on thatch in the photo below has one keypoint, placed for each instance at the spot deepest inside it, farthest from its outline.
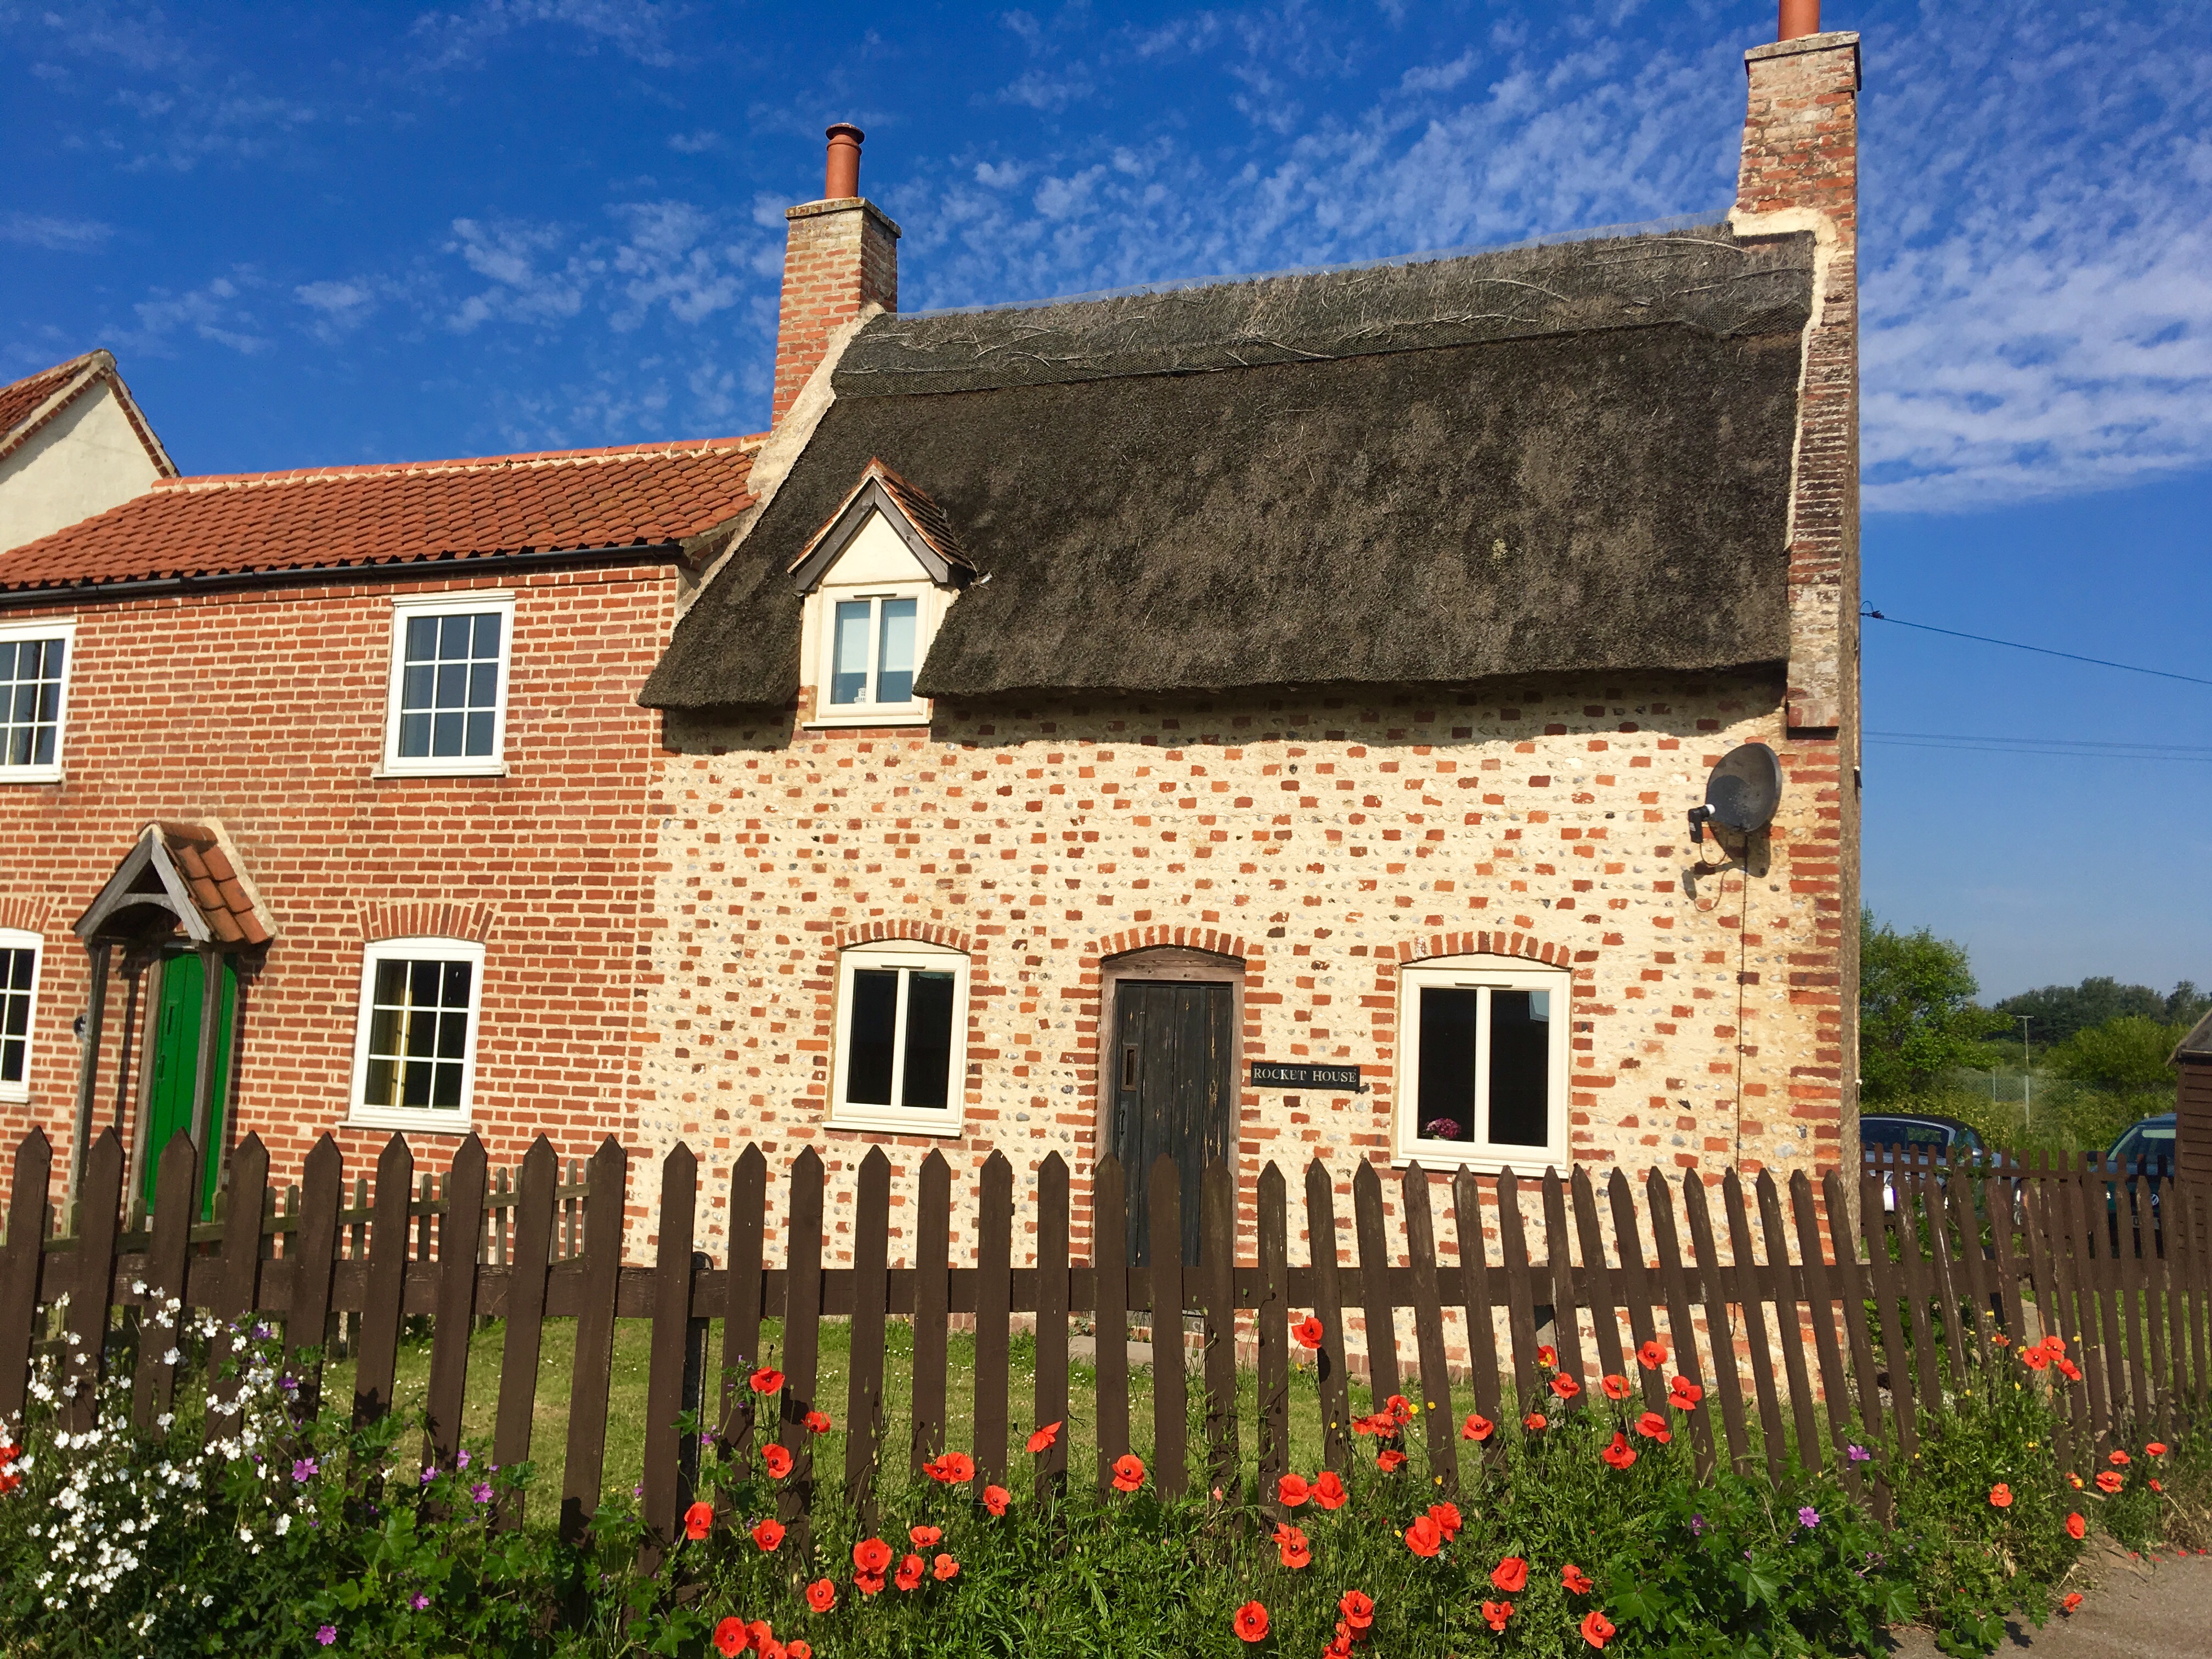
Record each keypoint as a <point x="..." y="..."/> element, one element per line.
<point x="1702" y="277"/>
<point x="1610" y="493"/>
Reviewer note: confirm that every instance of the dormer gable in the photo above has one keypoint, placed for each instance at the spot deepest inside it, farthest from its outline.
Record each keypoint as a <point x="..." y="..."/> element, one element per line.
<point x="882" y="515"/>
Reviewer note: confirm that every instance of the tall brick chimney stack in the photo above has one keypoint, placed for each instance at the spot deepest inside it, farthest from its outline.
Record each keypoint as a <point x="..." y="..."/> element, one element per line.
<point x="840" y="254"/>
<point x="1800" y="173"/>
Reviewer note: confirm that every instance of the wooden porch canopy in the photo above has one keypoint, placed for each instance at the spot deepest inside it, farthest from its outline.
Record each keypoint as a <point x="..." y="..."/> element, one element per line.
<point x="178" y="880"/>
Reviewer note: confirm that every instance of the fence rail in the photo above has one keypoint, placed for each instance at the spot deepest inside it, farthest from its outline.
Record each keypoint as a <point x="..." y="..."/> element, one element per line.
<point x="1829" y="1318"/>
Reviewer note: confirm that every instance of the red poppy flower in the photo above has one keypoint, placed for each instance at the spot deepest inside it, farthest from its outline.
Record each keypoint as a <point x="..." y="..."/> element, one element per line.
<point x="1652" y="1427"/>
<point x="1510" y="1575"/>
<point x="2001" y="1496"/>
<point x="1565" y="1387"/>
<point x="1339" y="1645"/>
<point x="2055" y="1343"/>
<point x="2156" y="1449"/>
<point x="1446" y="1515"/>
<point x="1044" y="1436"/>
<point x="1597" y="1629"/>
<point x="768" y="1534"/>
<point x="2119" y="1460"/>
<point x="731" y="1638"/>
<point x="1293" y="1491"/>
<point x="2077" y="1527"/>
<point x="872" y="1555"/>
<point x="2110" y="1482"/>
<point x="821" y="1595"/>
<point x="1425" y="1537"/>
<point x="818" y="1422"/>
<point x="1401" y="1408"/>
<point x="697" y="1520"/>
<point x="1128" y="1472"/>
<point x="1619" y="1453"/>
<point x="1328" y="1490"/>
<point x="946" y="1569"/>
<point x="2155" y="1486"/>
<point x="1359" y="1610"/>
<point x="1684" y="1394"/>
<point x="776" y="1461"/>
<point x="1251" y="1623"/>
<point x="1535" y="1422"/>
<point x="951" y="1468"/>
<point x="769" y="1648"/>
<point x="1291" y="1546"/>
<point x="1574" y="1580"/>
<point x="911" y="1571"/>
<point x="2071" y="1601"/>
<point x="1548" y="1357"/>
<point x="868" y="1583"/>
<point x="760" y="1634"/>
<point x="925" y="1538"/>
<point x="2067" y="1369"/>
<point x="995" y="1500"/>
<point x="1477" y="1428"/>
<point x="2074" y="1480"/>
<point x="1307" y="1333"/>
<point x="765" y="1381"/>
<point x="1615" y="1386"/>
<point x="2036" y="1360"/>
<point x="797" y="1651"/>
<point x="1496" y="1613"/>
<point x="2001" y="1339"/>
<point x="1652" y="1355"/>
<point x="1389" y="1462"/>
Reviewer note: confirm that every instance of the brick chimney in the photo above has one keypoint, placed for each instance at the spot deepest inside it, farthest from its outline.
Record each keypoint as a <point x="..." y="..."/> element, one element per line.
<point x="842" y="254"/>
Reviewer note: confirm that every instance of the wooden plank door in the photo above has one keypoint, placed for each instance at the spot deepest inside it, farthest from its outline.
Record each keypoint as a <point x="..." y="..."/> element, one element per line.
<point x="1175" y="1086"/>
<point x="174" y="1058"/>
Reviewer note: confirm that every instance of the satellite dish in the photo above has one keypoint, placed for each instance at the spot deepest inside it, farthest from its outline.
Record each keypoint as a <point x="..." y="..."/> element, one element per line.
<point x="1741" y="794"/>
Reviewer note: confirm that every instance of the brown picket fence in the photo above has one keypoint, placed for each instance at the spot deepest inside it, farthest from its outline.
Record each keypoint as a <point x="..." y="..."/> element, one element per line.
<point x="1803" y="1350"/>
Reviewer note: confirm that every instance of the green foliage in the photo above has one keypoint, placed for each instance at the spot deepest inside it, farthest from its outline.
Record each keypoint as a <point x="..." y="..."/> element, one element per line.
<point x="2058" y="1012"/>
<point x="1918" y="1020"/>
<point x="2128" y="1055"/>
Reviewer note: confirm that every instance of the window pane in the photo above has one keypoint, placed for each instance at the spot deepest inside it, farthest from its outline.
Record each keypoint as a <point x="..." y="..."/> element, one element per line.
<point x="14" y="1012"/>
<point x="453" y="636"/>
<point x="447" y="731"/>
<point x="1444" y="1094"/>
<point x="486" y="639"/>
<point x="895" y="660"/>
<point x="421" y="638"/>
<point x="378" y="1092"/>
<point x="452" y="685"/>
<point x="477" y="741"/>
<point x="848" y="663"/>
<point x="449" y="686"/>
<point x="928" y="1076"/>
<point x="868" y="1045"/>
<point x="30" y="701"/>
<point x="415" y="735"/>
<point x="1520" y="1062"/>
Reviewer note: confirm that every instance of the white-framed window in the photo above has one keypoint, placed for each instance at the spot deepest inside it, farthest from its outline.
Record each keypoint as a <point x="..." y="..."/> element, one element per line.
<point x="901" y="1060"/>
<point x="414" y="1049"/>
<point x="446" y="713"/>
<point x="870" y="615"/>
<point x="34" y="665"/>
<point x="19" y="1005"/>
<point x="1482" y="1073"/>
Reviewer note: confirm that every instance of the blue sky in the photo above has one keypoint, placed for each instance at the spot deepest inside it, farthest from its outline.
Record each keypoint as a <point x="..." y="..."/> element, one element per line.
<point x="345" y="233"/>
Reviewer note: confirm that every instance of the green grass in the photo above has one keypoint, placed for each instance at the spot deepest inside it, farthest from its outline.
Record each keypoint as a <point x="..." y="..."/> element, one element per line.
<point x="627" y="1415"/>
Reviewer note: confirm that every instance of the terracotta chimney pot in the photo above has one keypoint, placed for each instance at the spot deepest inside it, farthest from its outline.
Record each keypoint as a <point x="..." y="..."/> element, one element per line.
<point x="841" y="179"/>
<point x="1799" y="18"/>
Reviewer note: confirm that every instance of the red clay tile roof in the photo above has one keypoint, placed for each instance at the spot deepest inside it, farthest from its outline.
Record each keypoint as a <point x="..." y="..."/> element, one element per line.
<point x="28" y="403"/>
<point x="213" y="884"/>
<point x="328" y="518"/>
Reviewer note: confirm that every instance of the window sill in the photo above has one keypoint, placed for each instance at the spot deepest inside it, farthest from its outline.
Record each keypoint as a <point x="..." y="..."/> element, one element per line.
<point x="861" y="1121"/>
<point x="1527" y="1163"/>
<point x="472" y="770"/>
<point x="881" y="717"/>
<point x="15" y="1094"/>
<point x="411" y="1123"/>
<point x="30" y="774"/>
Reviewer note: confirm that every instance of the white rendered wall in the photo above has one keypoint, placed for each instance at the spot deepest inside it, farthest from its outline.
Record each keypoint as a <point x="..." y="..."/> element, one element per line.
<point x="85" y="460"/>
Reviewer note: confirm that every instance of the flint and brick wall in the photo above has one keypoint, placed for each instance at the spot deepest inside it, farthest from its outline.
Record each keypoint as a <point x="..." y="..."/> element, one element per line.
<point x="1322" y="842"/>
<point x="266" y="710"/>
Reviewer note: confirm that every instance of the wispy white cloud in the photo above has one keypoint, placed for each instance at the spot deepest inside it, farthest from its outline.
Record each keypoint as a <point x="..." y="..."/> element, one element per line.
<point x="218" y="311"/>
<point x="508" y="252"/>
<point x="694" y="144"/>
<point x="58" y="235"/>
<point x="636" y="28"/>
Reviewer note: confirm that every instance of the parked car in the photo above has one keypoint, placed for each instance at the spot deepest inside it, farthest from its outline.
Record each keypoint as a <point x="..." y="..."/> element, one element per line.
<point x="2144" y="1148"/>
<point x="1894" y="1137"/>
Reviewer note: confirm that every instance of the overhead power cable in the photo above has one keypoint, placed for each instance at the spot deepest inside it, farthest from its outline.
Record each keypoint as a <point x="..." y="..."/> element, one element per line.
<point x="1870" y="614"/>
<point x="2082" y="749"/>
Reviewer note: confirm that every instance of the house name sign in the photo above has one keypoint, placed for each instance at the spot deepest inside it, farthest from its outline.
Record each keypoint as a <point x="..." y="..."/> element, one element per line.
<point x="1277" y="1074"/>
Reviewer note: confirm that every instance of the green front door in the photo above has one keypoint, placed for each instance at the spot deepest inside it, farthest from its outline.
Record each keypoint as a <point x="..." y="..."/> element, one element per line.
<point x="175" y="1054"/>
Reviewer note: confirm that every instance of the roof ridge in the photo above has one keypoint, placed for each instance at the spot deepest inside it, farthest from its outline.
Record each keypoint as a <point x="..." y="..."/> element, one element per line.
<point x="471" y="463"/>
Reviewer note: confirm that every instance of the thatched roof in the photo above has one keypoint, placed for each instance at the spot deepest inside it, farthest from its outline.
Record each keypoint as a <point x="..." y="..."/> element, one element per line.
<point x="1562" y="458"/>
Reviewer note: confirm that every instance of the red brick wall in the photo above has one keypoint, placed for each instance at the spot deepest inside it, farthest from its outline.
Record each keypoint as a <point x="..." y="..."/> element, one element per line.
<point x="266" y="710"/>
<point x="840" y="257"/>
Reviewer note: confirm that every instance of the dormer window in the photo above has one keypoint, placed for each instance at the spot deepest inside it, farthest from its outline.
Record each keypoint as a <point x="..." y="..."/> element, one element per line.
<point x="879" y="577"/>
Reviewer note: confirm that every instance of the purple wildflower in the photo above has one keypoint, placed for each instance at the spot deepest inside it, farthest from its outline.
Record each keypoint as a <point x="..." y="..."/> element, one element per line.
<point x="461" y="1458"/>
<point x="1697" y="1526"/>
<point x="1808" y="1517"/>
<point x="305" y="1469"/>
<point x="1858" y="1454"/>
<point x="418" y="1602"/>
<point x="481" y="1492"/>
<point x="262" y="1333"/>
<point x="429" y="1474"/>
<point x="327" y="1634"/>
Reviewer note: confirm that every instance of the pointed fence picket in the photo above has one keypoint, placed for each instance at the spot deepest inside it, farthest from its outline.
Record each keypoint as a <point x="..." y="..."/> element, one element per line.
<point x="1821" y="1337"/>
